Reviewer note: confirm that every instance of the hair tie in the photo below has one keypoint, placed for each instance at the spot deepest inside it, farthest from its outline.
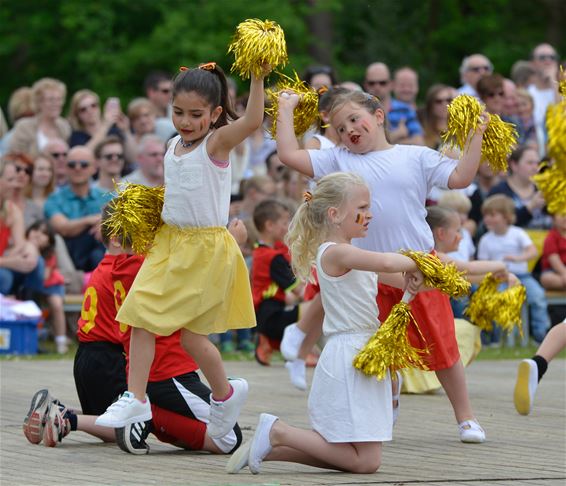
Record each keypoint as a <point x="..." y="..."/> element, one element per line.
<point x="307" y="196"/>
<point x="323" y="89"/>
<point x="208" y="66"/>
<point x="183" y="68"/>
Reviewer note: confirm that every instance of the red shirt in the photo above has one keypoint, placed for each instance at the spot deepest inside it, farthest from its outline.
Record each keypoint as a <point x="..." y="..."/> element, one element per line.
<point x="554" y="243"/>
<point x="271" y="273"/>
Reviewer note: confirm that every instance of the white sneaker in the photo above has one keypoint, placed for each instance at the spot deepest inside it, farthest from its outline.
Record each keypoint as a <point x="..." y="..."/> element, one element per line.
<point x="297" y="373"/>
<point x="260" y="445"/>
<point x="471" y="432"/>
<point x="239" y="459"/>
<point x="224" y="415"/>
<point x="397" y="397"/>
<point x="291" y="343"/>
<point x="526" y="386"/>
<point x="126" y="410"/>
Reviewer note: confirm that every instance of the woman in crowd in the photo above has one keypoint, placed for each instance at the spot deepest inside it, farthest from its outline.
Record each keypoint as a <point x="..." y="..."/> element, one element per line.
<point x="434" y="115"/>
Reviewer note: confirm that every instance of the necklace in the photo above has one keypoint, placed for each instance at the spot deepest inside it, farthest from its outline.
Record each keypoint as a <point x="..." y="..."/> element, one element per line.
<point x="191" y="143"/>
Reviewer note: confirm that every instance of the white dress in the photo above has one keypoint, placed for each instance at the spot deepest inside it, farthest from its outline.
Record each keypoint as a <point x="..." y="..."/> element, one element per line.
<point x="344" y="404"/>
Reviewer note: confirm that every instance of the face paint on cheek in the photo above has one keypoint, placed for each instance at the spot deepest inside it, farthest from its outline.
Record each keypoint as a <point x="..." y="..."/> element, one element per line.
<point x="201" y="125"/>
<point x="359" y="218"/>
<point x="365" y="125"/>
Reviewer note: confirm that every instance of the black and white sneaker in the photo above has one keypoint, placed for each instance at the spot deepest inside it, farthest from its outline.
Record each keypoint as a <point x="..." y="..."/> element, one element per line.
<point x="34" y="422"/>
<point x="131" y="438"/>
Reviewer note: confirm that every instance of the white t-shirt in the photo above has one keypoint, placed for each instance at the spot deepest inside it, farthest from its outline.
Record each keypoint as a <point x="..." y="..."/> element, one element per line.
<point x="497" y="247"/>
<point x="399" y="180"/>
<point x="541" y="99"/>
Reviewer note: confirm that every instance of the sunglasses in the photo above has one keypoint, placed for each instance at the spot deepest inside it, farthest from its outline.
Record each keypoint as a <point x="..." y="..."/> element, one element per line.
<point x="477" y="69"/>
<point x="27" y="170"/>
<point x="165" y="90"/>
<point x="439" y="101"/>
<point x="58" y="154"/>
<point x="113" y="156"/>
<point x="493" y="95"/>
<point x="74" y="164"/>
<point x="155" y="154"/>
<point x="84" y="109"/>
<point x="382" y="82"/>
<point x="546" y="57"/>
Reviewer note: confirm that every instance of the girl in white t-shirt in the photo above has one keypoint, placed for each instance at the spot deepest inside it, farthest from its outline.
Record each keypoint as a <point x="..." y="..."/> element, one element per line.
<point x="400" y="178"/>
<point x="350" y="413"/>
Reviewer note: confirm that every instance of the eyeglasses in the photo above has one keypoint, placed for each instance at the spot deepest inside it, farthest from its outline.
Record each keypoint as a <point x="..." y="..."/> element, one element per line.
<point x="74" y="164"/>
<point x="546" y="57"/>
<point x="113" y="156"/>
<point x="501" y="94"/>
<point x="439" y="101"/>
<point x="381" y="82"/>
<point x="21" y="168"/>
<point x="58" y="154"/>
<point x="165" y="90"/>
<point x="477" y="69"/>
<point x="84" y="109"/>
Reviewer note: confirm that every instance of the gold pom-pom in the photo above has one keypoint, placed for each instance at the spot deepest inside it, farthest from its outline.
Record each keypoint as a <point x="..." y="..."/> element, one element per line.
<point x="306" y="112"/>
<point x="556" y="129"/>
<point x="498" y="139"/>
<point x="487" y="305"/>
<point x="136" y="215"/>
<point x="551" y="182"/>
<point x="255" y="44"/>
<point x="389" y="347"/>
<point x="445" y="277"/>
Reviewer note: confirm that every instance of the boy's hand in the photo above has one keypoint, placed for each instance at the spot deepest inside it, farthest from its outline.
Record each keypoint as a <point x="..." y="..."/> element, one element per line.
<point x="238" y="230"/>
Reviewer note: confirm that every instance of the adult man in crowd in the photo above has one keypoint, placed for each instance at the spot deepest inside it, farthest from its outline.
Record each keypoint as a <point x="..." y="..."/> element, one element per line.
<point x="109" y="154"/>
<point x="149" y="172"/>
<point x="59" y="149"/>
<point x="406" y="86"/>
<point x="471" y="70"/>
<point x="158" y="87"/>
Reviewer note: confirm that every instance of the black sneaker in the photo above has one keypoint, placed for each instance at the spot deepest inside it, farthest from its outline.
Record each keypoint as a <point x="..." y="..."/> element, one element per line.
<point x="131" y="438"/>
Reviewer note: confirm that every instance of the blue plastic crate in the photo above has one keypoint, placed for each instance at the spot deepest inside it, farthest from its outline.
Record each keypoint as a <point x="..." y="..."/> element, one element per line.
<point x="18" y="337"/>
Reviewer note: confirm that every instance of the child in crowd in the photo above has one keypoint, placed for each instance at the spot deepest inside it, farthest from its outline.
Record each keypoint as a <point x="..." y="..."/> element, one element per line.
<point x="511" y="244"/>
<point x="553" y="265"/>
<point x="42" y="237"/>
<point x="350" y="413"/>
<point x="193" y="244"/>
<point x="532" y="370"/>
<point x="400" y="177"/>
<point x="276" y="291"/>
<point x="100" y="372"/>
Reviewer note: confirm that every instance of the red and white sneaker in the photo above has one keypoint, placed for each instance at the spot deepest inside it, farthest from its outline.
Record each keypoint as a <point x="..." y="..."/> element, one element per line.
<point x="34" y="422"/>
<point x="56" y="425"/>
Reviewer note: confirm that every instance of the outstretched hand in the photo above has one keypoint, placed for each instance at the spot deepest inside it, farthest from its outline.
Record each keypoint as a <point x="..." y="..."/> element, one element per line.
<point x="288" y="99"/>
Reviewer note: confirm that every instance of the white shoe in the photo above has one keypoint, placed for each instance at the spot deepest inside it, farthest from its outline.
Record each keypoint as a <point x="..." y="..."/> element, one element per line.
<point x="297" y="373"/>
<point x="260" y="445"/>
<point x="397" y="397"/>
<point x="290" y="345"/>
<point x="126" y="410"/>
<point x="224" y="415"/>
<point x="471" y="432"/>
<point x="239" y="459"/>
<point x="526" y="386"/>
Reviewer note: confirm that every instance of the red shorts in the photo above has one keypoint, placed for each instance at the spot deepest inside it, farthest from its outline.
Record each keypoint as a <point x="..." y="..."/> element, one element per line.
<point x="435" y="318"/>
<point x="311" y="288"/>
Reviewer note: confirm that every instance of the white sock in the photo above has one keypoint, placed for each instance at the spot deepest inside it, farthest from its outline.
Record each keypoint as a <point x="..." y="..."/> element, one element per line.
<point x="293" y="337"/>
<point x="297" y="373"/>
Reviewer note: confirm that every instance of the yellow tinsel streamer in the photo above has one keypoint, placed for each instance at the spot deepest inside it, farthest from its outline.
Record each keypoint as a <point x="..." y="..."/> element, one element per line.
<point x="551" y="182"/>
<point x="445" y="277"/>
<point x="499" y="137"/>
<point x="487" y="305"/>
<point x="306" y="112"/>
<point x="136" y="215"/>
<point x="389" y="347"/>
<point x="256" y="43"/>
<point x="556" y="129"/>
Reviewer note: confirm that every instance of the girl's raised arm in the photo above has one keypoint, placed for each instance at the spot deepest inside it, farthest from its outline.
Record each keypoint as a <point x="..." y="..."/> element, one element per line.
<point x="287" y="145"/>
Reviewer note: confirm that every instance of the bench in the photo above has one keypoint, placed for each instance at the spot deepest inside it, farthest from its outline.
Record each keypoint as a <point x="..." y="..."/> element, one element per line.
<point x="73" y="303"/>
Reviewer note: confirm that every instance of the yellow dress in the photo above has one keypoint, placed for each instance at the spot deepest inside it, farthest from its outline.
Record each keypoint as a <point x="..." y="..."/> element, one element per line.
<point x="192" y="278"/>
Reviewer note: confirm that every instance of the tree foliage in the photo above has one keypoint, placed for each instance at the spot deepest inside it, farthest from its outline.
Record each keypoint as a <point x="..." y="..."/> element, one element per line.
<point x="110" y="45"/>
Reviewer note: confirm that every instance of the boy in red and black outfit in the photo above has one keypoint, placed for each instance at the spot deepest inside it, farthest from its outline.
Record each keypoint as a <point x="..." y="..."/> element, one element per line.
<point x="274" y="286"/>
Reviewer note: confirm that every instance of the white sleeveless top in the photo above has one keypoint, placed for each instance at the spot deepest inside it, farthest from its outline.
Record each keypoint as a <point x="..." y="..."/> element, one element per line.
<point x="197" y="190"/>
<point x="349" y="300"/>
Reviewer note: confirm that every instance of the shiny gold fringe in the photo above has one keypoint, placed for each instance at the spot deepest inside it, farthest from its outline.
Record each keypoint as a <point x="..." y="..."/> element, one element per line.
<point x="389" y="347"/>
<point x="499" y="137"/>
<point x="256" y="43"/>
<point x="444" y="277"/>
<point x="306" y="112"/>
<point x="136" y="215"/>
<point x="487" y="305"/>
<point x="556" y="129"/>
<point x="552" y="184"/>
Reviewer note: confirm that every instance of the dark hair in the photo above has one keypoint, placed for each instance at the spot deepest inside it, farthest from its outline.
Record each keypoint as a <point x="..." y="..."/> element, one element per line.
<point x="312" y="71"/>
<point x="48" y="230"/>
<point x="517" y="154"/>
<point x="488" y="84"/>
<point x="109" y="140"/>
<point x="268" y="210"/>
<point x="438" y="217"/>
<point x="153" y="79"/>
<point x="211" y="84"/>
<point x="325" y="101"/>
<point x="268" y="159"/>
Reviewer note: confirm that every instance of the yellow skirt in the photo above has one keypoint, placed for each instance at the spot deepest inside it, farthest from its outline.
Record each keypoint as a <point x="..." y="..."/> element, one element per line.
<point x="193" y="278"/>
